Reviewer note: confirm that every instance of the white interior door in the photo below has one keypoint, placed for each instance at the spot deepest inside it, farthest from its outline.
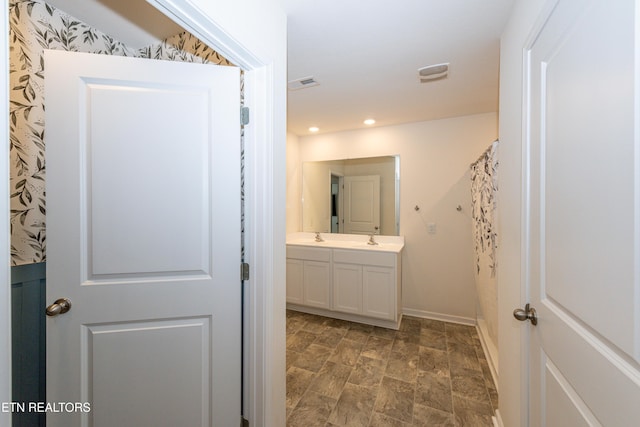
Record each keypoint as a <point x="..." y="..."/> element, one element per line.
<point x="362" y="204"/>
<point x="584" y="215"/>
<point x="143" y="212"/>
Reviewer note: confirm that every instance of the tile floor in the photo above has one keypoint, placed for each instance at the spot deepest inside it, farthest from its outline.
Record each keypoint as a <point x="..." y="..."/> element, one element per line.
<point x="429" y="373"/>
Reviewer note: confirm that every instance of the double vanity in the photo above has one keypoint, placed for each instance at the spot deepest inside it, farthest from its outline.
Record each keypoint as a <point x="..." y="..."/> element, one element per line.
<point x="346" y="276"/>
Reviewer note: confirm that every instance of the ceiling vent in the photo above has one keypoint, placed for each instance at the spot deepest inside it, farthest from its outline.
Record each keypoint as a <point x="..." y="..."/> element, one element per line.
<point x="433" y="72"/>
<point x="302" y="83"/>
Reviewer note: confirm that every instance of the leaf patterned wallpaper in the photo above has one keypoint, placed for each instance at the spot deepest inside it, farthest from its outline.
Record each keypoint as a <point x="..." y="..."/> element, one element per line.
<point x="484" y="188"/>
<point x="35" y="26"/>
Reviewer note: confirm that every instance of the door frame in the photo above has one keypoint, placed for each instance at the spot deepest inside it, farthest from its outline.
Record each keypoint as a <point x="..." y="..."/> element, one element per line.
<point x="237" y="37"/>
<point x="5" y="271"/>
<point x="525" y="21"/>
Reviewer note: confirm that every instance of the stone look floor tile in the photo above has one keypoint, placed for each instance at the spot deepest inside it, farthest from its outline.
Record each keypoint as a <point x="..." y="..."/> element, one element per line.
<point x="433" y="339"/>
<point x="406" y="343"/>
<point x="402" y="366"/>
<point x="368" y="372"/>
<point x="395" y="399"/>
<point x="330" y="337"/>
<point x="331" y="379"/>
<point x="357" y="335"/>
<point x="424" y="416"/>
<point x="470" y="387"/>
<point x="429" y="373"/>
<point x="469" y="413"/>
<point x="383" y="332"/>
<point x="380" y="420"/>
<point x="313" y="358"/>
<point x="433" y="361"/>
<point x="354" y="407"/>
<point x="300" y="341"/>
<point x="292" y="356"/>
<point x="434" y="390"/>
<point x="377" y="347"/>
<point x="298" y="381"/>
<point x="346" y="353"/>
<point x="312" y="410"/>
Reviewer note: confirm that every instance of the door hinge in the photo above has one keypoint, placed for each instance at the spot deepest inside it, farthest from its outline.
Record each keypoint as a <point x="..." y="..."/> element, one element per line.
<point x="244" y="116"/>
<point x="244" y="422"/>
<point x="244" y="271"/>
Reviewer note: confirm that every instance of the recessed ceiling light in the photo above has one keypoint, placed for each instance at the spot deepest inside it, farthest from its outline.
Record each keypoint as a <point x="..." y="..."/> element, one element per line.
<point x="369" y="122"/>
<point x="314" y="129"/>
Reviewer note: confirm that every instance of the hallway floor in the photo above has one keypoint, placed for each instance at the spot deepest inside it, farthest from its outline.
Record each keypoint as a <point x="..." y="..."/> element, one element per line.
<point x="429" y="373"/>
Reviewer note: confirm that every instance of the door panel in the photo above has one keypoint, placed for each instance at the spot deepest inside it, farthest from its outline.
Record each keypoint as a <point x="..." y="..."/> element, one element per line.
<point x="143" y="210"/>
<point x="115" y="351"/>
<point x="583" y="208"/>
<point x="362" y="204"/>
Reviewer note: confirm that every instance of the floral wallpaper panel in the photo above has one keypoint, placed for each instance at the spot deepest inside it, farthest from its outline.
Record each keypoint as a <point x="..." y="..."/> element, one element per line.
<point x="484" y="188"/>
<point x="35" y="26"/>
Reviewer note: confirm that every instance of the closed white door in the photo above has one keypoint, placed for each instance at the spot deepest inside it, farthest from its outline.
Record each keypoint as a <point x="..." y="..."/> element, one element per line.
<point x="143" y="230"/>
<point x="583" y="214"/>
<point x="362" y="204"/>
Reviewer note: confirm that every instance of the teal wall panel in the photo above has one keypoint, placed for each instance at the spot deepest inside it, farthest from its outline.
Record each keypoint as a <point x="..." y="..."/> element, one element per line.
<point x="28" y="341"/>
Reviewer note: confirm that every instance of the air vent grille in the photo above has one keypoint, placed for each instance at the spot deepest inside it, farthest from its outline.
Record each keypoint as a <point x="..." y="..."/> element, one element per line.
<point x="433" y="72"/>
<point x="302" y="83"/>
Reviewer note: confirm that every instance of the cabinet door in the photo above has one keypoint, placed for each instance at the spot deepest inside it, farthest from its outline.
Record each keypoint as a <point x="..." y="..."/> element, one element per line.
<point x="317" y="281"/>
<point x="347" y="288"/>
<point x="295" y="277"/>
<point x="378" y="292"/>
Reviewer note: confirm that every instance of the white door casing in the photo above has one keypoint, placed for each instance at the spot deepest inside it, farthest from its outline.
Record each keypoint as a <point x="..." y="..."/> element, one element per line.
<point x="583" y="205"/>
<point x="362" y="204"/>
<point x="5" y="244"/>
<point x="144" y="238"/>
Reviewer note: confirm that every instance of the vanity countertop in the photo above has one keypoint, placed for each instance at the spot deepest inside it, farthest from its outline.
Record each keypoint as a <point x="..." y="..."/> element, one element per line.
<point x="347" y="241"/>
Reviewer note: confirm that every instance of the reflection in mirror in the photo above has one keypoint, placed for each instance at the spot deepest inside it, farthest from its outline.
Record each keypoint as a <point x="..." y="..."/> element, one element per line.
<point x="356" y="196"/>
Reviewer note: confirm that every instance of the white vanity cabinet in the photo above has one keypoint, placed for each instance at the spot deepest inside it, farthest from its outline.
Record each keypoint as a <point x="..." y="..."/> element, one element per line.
<point x="309" y="276"/>
<point x="347" y="280"/>
<point x="366" y="283"/>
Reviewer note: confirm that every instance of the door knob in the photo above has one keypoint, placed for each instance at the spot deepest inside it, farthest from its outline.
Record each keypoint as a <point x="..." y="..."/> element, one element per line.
<point x="529" y="313"/>
<point x="61" y="306"/>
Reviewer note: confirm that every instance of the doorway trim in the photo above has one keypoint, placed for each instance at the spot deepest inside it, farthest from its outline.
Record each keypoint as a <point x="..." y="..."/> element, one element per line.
<point x="5" y="271"/>
<point x="263" y="386"/>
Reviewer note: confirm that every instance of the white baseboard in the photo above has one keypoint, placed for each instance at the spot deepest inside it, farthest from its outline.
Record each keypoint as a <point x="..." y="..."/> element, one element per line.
<point x="489" y="348"/>
<point x="497" y="420"/>
<point x="439" y="316"/>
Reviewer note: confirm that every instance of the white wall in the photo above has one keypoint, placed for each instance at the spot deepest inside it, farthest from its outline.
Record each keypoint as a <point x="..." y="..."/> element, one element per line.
<point x="294" y="192"/>
<point x="435" y="156"/>
<point x="513" y="370"/>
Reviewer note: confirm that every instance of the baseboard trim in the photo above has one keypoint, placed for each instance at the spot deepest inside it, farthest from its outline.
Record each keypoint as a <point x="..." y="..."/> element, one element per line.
<point x="490" y="350"/>
<point x="439" y="316"/>
<point x="497" y="420"/>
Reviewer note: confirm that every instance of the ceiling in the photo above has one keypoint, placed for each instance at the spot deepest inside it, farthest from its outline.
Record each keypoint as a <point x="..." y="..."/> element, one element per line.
<point x="364" y="54"/>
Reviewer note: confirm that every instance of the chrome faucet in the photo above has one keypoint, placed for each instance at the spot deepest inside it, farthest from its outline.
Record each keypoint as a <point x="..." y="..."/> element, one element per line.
<point x="319" y="237"/>
<point x="371" y="241"/>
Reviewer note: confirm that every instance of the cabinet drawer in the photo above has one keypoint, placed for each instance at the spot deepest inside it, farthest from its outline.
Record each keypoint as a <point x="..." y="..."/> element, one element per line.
<point x="383" y="259"/>
<point x="311" y="254"/>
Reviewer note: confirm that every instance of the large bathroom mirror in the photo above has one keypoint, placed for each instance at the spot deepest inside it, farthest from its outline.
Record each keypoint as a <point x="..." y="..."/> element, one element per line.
<point x="355" y="196"/>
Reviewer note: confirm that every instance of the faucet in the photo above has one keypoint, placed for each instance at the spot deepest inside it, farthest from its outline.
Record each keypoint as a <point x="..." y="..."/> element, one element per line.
<point x="319" y="237"/>
<point x="371" y="241"/>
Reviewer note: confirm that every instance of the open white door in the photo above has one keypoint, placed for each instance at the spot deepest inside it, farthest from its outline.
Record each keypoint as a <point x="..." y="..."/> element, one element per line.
<point x="583" y="208"/>
<point x="362" y="204"/>
<point x="143" y="230"/>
